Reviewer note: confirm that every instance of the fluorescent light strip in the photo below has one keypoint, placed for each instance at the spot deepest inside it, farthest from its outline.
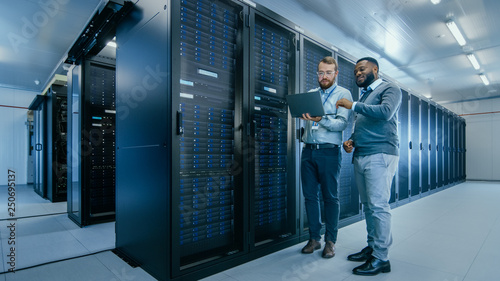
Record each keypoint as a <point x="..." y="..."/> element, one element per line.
<point x="435" y="2"/>
<point x="112" y="44"/>
<point x="456" y="32"/>
<point x="485" y="79"/>
<point x="473" y="61"/>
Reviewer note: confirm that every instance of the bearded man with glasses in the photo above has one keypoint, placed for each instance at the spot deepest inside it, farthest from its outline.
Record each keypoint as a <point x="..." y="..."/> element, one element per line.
<point x="321" y="159"/>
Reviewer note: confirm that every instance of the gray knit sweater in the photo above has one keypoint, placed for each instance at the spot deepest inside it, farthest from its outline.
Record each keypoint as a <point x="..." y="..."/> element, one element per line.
<point x="376" y="125"/>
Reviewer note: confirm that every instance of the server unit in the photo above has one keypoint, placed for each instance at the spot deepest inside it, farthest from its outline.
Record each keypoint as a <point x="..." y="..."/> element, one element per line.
<point x="39" y="108"/>
<point x="414" y="147"/>
<point x="424" y="146"/>
<point x="91" y="142"/>
<point x="432" y="147"/>
<point x="404" y="148"/>
<point x="272" y="77"/>
<point x="446" y="148"/>
<point x="440" y="148"/>
<point x="350" y="207"/>
<point x="49" y="142"/>
<point x="462" y="152"/>
<point x="57" y="112"/>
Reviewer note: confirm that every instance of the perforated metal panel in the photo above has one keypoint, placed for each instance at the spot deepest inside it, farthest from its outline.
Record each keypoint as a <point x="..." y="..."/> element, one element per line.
<point x="272" y="50"/>
<point x="348" y="193"/>
<point x="101" y="134"/>
<point x="208" y="42"/>
<point x="403" y="173"/>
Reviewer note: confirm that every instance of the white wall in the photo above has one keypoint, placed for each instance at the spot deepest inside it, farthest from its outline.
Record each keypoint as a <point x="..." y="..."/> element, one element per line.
<point x="14" y="133"/>
<point x="482" y="137"/>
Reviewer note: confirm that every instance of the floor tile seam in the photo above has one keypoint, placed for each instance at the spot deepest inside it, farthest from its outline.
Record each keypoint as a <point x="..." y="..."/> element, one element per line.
<point x="52" y="262"/>
<point x="106" y="266"/>
<point x="76" y="238"/>
<point x="33" y="216"/>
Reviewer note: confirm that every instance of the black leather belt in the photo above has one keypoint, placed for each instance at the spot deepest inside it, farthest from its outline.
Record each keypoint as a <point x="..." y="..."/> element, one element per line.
<point x="315" y="146"/>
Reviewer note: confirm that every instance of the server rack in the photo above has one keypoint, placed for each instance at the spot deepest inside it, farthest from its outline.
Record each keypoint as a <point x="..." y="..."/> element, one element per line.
<point x="273" y="66"/>
<point x="451" y="147"/>
<point x="440" y="148"/>
<point x="414" y="146"/>
<point x="446" y="148"/>
<point x="432" y="147"/>
<point x="210" y="195"/>
<point x="454" y="148"/>
<point x="57" y="111"/>
<point x="348" y="192"/>
<point x="39" y="108"/>
<point x="404" y="148"/>
<point x="424" y="146"/>
<point x="91" y="170"/>
<point x="462" y="150"/>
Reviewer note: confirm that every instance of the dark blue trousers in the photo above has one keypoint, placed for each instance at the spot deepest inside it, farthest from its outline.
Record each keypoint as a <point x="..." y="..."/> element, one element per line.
<point x="320" y="171"/>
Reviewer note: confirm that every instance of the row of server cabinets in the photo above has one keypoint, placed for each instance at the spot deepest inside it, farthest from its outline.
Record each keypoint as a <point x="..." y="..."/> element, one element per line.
<point x="207" y="156"/>
<point x="73" y="141"/>
<point x="432" y="149"/>
<point x="48" y="143"/>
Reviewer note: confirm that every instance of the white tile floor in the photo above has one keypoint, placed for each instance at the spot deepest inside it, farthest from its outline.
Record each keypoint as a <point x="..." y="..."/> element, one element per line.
<point x="447" y="236"/>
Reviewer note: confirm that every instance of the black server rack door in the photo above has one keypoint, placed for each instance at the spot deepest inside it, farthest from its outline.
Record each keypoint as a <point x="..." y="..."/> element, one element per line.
<point x="462" y="149"/>
<point x="440" y="148"/>
<point x="348" y="192"/>
<point x="415" y="145"/>
<point x="273" y="205"/>
<point x="403" y="129"/>
<point x="98" y="147"/>
<point x="311" y="55"/>
<point x="451" y="147"/>
<point x="446" y="148"/>
<point x="74" y="134"/>
<point x="456" y="148"/>
<point x="56" y="183"/>
<point x="424" y="146"/>
<point x="432" y="147"/>
<point x="208" y="194"/>
<point x="40" y="124"/>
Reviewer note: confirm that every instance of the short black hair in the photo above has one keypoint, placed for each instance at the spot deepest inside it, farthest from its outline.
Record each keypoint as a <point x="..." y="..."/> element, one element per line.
<point x="370" y="59"/>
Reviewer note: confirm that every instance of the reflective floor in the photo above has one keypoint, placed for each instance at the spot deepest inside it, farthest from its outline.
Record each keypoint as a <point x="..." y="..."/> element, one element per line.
<point x="447" y="236"/>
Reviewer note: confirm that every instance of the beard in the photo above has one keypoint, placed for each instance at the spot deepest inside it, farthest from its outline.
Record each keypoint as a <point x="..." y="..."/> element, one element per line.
<point x="325" y="83"/>
<point x="369" y="78"/>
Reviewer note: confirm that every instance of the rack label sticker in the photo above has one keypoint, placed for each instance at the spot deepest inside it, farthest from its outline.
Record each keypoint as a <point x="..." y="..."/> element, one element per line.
<point x="207" y="73"/>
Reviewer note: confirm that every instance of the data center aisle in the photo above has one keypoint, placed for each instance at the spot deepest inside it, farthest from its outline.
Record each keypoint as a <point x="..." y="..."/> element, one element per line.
<point x="448" y="236"/>
<point x="40" y="232"/>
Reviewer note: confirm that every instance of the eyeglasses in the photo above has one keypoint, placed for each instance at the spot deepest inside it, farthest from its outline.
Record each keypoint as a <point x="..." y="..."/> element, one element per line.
<point x="328" y="73"/>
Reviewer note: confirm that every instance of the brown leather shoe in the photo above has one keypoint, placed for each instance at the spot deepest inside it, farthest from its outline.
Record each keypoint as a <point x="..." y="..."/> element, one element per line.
<point x="311" y="246"/>
<point x="329" y="250"/>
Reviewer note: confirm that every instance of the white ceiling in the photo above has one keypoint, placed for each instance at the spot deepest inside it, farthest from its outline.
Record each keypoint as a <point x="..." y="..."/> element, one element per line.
<point x="409" y="37"/>
<point x="35" y="38"/>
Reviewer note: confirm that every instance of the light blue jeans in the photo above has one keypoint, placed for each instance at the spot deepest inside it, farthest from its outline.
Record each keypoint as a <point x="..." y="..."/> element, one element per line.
<point x="373" y="176"/>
